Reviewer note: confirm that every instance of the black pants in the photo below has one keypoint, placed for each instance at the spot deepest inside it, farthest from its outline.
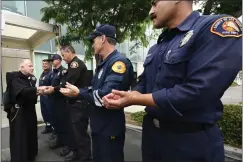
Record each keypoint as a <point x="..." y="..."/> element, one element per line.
<point x="60" y="119"/>
<point x="46" y="110"/>
<point x="23" y="134"/>
<point x="108" y="148"/>
<point x="79" y="139"/>
<point x="167" y="146"/>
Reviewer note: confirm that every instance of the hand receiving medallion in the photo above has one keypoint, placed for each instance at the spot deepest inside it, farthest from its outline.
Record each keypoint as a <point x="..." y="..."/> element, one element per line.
<point x="45" y="90"/>
<point x="119" y="99"/>
<point x="70" y="90"/>
<point x="49" y="90"/>
<point x="40" y="90"/>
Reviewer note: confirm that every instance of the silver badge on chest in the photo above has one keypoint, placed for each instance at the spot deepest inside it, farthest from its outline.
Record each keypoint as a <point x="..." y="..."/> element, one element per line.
<point x="186" y="38"/>
<point x="100" y="73"/>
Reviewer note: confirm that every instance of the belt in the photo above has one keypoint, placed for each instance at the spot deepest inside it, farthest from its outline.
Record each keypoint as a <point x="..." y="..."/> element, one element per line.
<point x="74" y="101"/>
<point x="181" y="127"/>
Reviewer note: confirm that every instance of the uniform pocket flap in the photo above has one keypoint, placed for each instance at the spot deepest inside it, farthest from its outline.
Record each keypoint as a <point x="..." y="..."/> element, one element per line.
<point x="176" y="56"/>
<point x="148" y="59"/>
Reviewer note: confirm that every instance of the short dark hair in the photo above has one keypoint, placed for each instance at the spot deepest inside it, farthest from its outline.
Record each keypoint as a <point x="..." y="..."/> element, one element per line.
<point x="68" y="48"/>
<point x="112" y="41"/>
<point x="46" y="60"/>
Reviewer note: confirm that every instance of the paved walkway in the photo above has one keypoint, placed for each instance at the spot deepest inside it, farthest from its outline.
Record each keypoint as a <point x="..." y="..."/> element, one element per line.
<point x="132" y="148"/>
<point x="233" y="95"/>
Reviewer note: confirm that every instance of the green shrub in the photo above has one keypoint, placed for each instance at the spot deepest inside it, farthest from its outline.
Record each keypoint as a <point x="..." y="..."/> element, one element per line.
<point x="230" y="124"/>
<point x="234" y="84"/>
<point x="138" y="116"/>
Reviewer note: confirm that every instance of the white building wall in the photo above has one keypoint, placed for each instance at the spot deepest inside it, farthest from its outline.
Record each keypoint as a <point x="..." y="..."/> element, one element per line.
<point x="10" y="61"/>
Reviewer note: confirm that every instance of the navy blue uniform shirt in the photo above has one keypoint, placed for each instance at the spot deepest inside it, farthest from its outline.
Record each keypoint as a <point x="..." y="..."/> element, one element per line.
<point x="58" y="80"/>
<point x="191" y="66"/>
<point x="115" y="72"/>
<point x="45" y="78"/>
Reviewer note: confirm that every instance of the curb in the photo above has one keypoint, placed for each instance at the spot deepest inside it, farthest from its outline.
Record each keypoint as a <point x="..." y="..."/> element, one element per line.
<point x="134" y="127"/>
<point x="230" y="152"/>
<point x="233" y="153"/>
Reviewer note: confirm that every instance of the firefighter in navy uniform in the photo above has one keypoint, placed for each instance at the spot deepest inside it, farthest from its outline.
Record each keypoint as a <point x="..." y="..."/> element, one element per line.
<point x="114" y="71"/>
<point x="79" y="143"/>
<point x="185" y="75"/>
<point x="58" y="105"/>
<point x="45" y="80"/>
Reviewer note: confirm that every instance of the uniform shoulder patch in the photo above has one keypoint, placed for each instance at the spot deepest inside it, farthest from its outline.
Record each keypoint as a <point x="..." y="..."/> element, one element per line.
<point x="74" y="64"/>
<point x="227" y="27"/>
<point x="119" y="67"/>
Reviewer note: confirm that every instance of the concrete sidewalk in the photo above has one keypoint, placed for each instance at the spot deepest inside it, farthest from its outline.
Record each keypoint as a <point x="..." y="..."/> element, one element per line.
<point x="132" y="148"/>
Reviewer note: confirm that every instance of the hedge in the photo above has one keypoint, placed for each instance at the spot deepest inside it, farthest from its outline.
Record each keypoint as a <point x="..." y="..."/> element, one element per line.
<point x="230" y="124"/>
<point x="234" y="84"/>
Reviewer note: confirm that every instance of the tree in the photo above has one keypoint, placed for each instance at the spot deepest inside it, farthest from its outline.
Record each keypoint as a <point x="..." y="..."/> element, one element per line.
<point x="130" y="17"/>
<point x="231" y="7"/>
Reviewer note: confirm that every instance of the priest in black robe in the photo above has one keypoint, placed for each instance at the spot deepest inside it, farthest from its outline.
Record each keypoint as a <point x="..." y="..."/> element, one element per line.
<point x="23" y="118"/>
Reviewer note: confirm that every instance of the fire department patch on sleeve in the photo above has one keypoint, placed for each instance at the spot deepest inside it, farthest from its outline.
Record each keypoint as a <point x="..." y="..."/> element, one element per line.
<point x="227" y="27"/>
<point x="74" y="64"/>
<point x="119" y="67"/>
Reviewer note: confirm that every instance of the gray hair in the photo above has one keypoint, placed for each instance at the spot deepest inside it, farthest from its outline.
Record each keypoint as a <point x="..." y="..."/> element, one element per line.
<point x="67" y="48"/>
<point x="22" y="62"/>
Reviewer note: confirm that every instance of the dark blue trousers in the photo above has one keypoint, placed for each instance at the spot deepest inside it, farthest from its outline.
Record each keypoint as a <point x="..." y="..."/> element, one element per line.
<point x="160" y="145"/>
<point x="108" y="148"/>
<point x="46" y="110"/>
<point x="60" y="118"/>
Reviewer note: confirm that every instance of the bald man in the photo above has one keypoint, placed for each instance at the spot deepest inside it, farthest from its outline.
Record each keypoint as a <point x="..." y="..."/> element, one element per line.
<point x="23" y="120"/>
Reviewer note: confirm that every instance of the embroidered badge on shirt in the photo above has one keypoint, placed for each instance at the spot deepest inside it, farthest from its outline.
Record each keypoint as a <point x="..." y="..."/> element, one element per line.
<point x="227" y="27"/>
<point x="186" y="38"/>
<point x="119" y="67"/>
<point x="74" y="64"/>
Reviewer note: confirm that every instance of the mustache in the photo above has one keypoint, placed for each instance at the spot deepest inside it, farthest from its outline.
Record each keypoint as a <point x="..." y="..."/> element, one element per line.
<point x="152" y="16"/>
